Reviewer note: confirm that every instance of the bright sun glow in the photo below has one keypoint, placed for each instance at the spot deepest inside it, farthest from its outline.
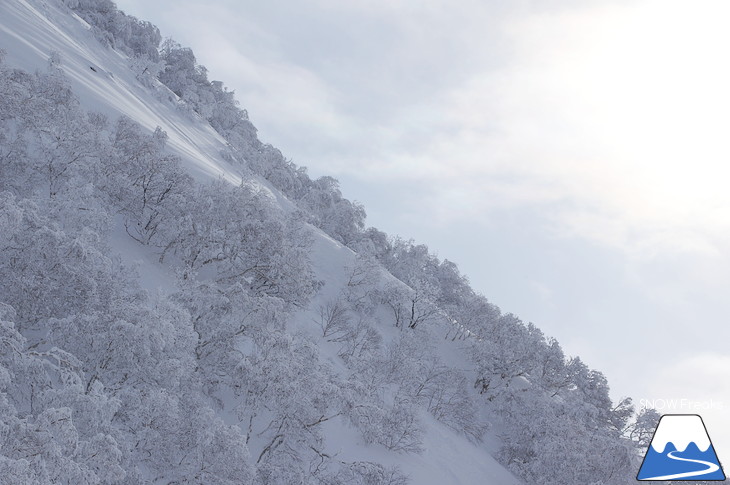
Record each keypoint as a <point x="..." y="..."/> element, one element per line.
<point x="646" y="88"/>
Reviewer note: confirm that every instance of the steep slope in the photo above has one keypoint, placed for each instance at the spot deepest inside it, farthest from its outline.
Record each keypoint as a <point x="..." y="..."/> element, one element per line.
<point x="31" y="30"/>
<point x="101" y="78"/>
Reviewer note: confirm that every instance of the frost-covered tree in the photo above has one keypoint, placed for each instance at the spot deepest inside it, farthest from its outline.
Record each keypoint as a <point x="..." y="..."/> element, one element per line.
<point x="424" y="379"/>
<point x="114" y="28"/>
<point x="363" y="473"/>
<point x="238" y="234"/>
<point x="364" y="278"/>
<point x="142" y="180"/>
<point x="47" y="140"/>
<point x="223" y="319"/>
<point x="47" y="273"/>
<point x="359" y="339"/>
<point x="545" y="443"/>
<point x="411" y="307"/>
<point x="187" y="79"/>
<point x="502" y="356"/>
<point x="340" y="218"/>
<point x="642" y="429"/>
<point x="334" y="319"/>
<point x="286" y="396"/>
<point x="51" y="429"/>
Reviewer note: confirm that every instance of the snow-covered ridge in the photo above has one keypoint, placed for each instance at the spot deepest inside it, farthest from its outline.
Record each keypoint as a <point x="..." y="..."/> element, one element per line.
<point x="375" y="365"/>
<point x="681" y="430"/>
<point x="101" y="78"/>
<point x="30" y="30"/>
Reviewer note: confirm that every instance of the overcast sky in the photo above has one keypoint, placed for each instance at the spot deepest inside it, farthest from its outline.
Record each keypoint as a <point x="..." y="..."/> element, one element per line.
<point x="572" y="157"/>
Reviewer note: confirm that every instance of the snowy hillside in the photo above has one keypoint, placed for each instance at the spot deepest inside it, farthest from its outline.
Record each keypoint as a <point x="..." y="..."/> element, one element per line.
<point x="180" y="304"/>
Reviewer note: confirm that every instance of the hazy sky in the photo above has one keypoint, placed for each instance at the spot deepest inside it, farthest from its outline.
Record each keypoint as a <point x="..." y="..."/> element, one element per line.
<point x="570" y="156"/>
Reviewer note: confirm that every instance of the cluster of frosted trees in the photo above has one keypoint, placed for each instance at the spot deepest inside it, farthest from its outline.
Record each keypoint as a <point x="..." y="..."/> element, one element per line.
<point x="551" y="409"/>
<point x="320" y="199"/>
<point x="177" y="69"/>
<point x="115" y="29"/>
<point x="101" y="383"/>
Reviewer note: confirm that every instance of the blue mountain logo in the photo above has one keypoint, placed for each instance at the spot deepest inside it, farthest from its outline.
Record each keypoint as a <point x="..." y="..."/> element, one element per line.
<point x="681" y="450"/>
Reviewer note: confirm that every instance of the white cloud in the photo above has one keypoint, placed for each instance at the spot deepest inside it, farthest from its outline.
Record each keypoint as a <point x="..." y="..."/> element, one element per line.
<point x="598" y="111"/>
<point x="594" y="122"/>
<point x="607" y="110"/>
<point x="701" y="376"/>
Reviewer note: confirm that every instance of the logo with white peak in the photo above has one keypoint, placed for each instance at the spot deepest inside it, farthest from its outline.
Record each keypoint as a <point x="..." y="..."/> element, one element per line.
<point x="681" y="450"/>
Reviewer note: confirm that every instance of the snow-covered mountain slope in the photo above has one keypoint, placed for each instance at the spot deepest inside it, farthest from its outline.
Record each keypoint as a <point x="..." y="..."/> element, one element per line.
<point x="30" y="30"/>
<point x="103" y="81"/>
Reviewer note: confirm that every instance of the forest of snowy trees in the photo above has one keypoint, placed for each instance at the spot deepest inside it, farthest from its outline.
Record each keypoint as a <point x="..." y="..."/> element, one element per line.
<point x="102" y="382"/>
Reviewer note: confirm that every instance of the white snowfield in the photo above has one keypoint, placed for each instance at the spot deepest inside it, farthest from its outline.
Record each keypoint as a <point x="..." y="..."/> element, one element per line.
<point x="680" y="429"/>
<point x="101" y="77"/>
